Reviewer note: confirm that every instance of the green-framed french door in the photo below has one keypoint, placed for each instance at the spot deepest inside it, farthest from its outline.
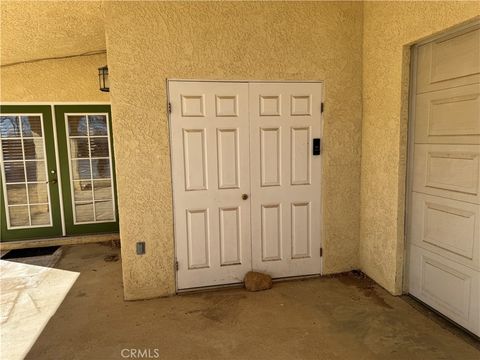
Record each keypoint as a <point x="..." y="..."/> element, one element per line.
<point x="38" y="202"/>
<point x="87" y="168"/>
<point x="29" y="196"/>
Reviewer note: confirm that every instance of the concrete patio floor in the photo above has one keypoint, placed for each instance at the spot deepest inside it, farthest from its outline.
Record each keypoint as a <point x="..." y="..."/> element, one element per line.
<point x="342" y="317"/>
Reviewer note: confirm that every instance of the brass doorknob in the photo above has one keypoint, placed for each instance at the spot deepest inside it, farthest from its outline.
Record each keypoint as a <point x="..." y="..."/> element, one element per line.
<point x="244" y="196"/>
<point x="54" y="180"/>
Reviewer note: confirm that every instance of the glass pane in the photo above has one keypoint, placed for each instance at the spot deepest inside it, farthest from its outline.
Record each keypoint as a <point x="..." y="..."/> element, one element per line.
<point x="97" y="125"/>
<point x="79" y="148"/>
<point x="31" y="126"/>
<point x="18" y="216"/>
<point x="84" y="212"/>
<point x="77" y="125"/>
<point x="35" y="171"/>
<point x="33" y="149"/>
<point x="9" y="126"/>
<point x="14" y="172"/>
<point x="99" y="147"/>
<point x="17" y="194"/>
<point x="101" y="168"/>
<point x="104" y="210"/>
<point x="40" y="214"/>
<point x="90" y="159"/>
<point x="81" y="169"/>
<point x="82" y="190"/>
<point x="102" y="189"/>
<point x="12" y="150"/>
<point x="38" y="193"/>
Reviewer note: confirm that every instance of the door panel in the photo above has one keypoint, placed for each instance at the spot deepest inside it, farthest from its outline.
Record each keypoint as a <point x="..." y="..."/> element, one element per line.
<point x="198" y="239"/>
<point x="285" y="117"/>
<point x="271" y="232"/>
<point x="228" y="158"/>
<point x="29" y="196"/>
<point x="230" y="236"/>
<point x="444" y="224"/>
<point x="449" y="62"/>
<point x="88" y="176"/>
<point x="300" y="161"/>
<point x="270" y="156"/>
<point x="451" y="288"/>
<point x="449" y="116"/>
<point x="448" y="227"/>
<point x="195" y="159"/>
<point x="448" y="170"/>
<point x="209" y="127"/>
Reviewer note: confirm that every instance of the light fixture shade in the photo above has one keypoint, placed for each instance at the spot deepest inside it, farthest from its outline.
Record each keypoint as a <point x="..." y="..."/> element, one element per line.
<point x="103" y="79"/>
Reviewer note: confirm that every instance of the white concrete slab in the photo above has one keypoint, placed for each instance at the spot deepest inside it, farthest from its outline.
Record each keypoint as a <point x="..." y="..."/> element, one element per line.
<point x="29" y="296"/>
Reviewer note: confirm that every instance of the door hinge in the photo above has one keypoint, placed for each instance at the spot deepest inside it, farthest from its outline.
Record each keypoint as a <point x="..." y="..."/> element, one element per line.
<point x="176" y="265"/>
<point x="322" y="107"/>
<point x="169" y="108"/>
<point x="321" y="252"/>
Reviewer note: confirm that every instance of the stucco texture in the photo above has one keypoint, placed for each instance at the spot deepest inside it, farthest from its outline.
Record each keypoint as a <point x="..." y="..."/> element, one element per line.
<point x="149" y="42"/>
<point x="389" y="27"/>
<point x="35" y="38"/>
<point x="42" y="29"/>
<point x="73" y="79"/>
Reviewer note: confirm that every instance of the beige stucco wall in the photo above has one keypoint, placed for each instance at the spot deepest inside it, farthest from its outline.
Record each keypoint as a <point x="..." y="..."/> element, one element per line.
<point x="388" y="28"/>
<point x="43" y="29"/>
<point x="73" y="79"/>
<point x="35" y="30"/>
<point x="220" y="40"/>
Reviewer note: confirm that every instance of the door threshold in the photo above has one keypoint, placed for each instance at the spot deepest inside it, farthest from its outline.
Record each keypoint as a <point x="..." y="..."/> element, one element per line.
<point x="58" y="241"/>
<point x="238" y="285"/>
<point x="296" y="278"/>
<point x="202" y="289"/>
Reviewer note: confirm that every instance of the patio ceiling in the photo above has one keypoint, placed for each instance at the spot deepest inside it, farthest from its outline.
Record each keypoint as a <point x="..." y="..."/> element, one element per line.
<point x="36" y="30"/>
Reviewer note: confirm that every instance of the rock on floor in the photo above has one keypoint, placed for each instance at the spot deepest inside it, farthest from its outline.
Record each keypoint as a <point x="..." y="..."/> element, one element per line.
<point x="255" y="281"/>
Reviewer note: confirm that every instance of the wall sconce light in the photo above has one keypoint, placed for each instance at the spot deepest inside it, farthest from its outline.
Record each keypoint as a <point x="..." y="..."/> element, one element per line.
<point x="103" y="79"/>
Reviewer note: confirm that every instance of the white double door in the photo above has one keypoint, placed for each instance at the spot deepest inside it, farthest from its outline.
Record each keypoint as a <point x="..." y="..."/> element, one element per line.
<point x="246" y="183"/>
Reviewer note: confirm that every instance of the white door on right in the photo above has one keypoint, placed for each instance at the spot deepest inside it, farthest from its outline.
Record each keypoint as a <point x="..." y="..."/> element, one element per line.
<point x="444" y="213"/>
<point x="285" y="118"/>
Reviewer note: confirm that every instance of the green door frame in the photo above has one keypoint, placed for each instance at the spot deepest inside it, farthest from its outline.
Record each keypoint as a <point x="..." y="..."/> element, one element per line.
<point x="48" y="133"/>
<point x="71" y="227"/>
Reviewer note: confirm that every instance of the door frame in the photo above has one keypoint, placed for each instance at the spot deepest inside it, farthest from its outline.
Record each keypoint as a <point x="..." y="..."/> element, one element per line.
<point x="52" y="105"/>
<point x="169" y="117"/>
<point x="412" y="84"/>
